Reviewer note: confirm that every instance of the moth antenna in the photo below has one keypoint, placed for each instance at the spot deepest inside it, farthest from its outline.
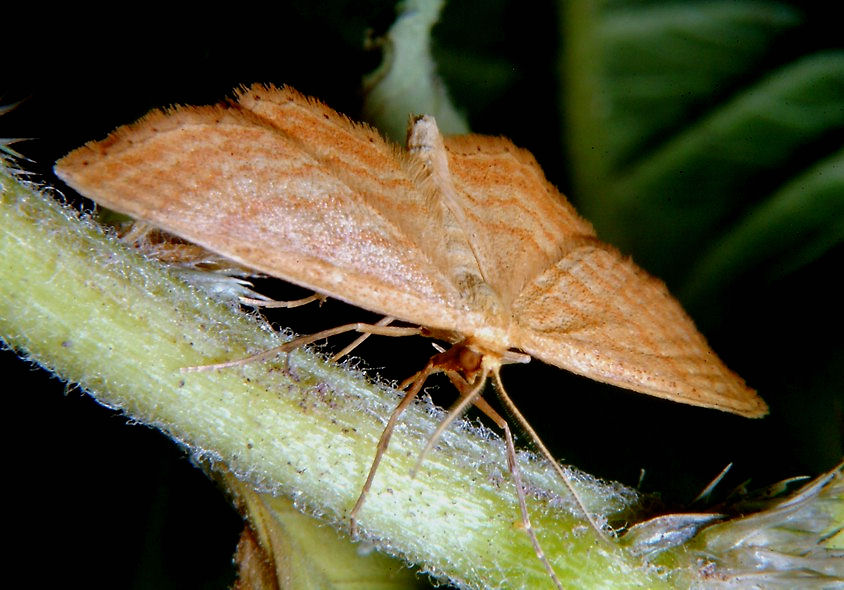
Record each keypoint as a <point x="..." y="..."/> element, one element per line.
<point x="385" y="321"/>
<point x="454" y="413"/>
<point x="520" y="493"/>
<point x="511" y="407"/>
<point x="254" y="358"/>
<point x="419" y="381"/>
<point x="305" y="340"/>
<point x="379" y="329"/>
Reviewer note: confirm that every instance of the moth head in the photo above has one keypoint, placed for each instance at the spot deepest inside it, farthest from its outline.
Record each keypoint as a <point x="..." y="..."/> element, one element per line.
<point x="423" y="135"/>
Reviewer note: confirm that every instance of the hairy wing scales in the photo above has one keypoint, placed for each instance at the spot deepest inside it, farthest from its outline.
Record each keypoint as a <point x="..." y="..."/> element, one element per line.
<point x="223" y="179"/>
<point x="597" y="314"/>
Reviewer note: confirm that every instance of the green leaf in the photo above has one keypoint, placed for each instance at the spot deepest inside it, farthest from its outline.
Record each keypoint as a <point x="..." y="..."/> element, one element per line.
<point x="681" y="131"/>
<point x="660" y="62"/>
<point x="796" y="224"/>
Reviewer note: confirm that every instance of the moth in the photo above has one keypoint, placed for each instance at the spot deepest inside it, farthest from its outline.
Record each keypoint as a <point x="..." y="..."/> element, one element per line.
<point x="461" y="238"/>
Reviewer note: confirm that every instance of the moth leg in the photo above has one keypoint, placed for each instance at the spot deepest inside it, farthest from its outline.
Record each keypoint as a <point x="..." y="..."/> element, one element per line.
<point x="177" y="254"/>
<point x="465" y="388"/>
<point x="305" y="340"/>
<point x="273" y="304"/>
<point x="214" y="274"/>
<point x="418" y="381"/>
<point x="512" y="463"/>
<point x="385" y="321"/>
<point x="511" y="407"/>
<point x="454" y="412"/>
<point x="381" y="329"/>
<point x="137" y="232"/>
<point x="163" y="247"/>
<point x="462" y="386"/>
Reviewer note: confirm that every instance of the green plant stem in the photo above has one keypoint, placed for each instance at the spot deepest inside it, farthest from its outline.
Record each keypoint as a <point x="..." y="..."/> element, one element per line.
<point x="83" y="305"/>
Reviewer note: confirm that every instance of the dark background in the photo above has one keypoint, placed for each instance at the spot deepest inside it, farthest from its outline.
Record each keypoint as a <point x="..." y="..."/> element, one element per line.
<point x="101" y="502"/>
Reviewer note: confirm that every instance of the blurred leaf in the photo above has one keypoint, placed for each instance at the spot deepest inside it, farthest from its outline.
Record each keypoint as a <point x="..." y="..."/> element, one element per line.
<point x="660" y="62"/>
<point x="685" y="127"/>
<point x="407" y="83"/>
<point x="796" y="224"/>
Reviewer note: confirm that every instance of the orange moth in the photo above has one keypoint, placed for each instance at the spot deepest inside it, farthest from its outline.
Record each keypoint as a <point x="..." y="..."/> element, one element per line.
<point x="462" y="237"/>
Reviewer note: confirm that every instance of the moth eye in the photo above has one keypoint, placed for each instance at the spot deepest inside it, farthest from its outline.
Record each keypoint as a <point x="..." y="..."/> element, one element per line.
<point x="469" y="360"/>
